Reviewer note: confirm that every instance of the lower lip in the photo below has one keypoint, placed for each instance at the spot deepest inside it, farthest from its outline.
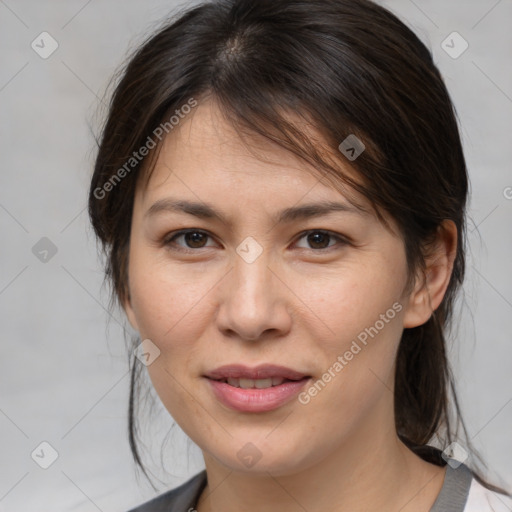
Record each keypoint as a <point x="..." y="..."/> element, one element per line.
<point x="256" y="400"/>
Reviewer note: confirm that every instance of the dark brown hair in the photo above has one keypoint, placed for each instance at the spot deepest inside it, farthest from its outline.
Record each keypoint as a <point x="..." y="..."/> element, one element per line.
<point x="347" y="67"/>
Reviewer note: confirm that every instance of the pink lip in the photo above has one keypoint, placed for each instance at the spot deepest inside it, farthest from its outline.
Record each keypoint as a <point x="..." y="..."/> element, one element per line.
<point x="256" y="400"/>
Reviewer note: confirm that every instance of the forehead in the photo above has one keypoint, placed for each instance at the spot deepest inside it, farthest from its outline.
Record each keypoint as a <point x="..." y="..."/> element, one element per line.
<point x="206" y="154"/>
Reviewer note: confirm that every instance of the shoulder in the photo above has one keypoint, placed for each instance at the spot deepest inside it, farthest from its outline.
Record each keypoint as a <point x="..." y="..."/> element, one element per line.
<point x="481" y="499"/>
<point x="180" y="499"/>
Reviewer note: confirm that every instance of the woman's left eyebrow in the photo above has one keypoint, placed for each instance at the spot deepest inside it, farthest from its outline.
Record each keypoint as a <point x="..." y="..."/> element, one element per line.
<point x="207" y="211"/>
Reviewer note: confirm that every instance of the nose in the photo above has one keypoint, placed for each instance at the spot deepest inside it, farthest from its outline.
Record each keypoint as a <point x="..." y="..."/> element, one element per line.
<point x="253" y="301"/>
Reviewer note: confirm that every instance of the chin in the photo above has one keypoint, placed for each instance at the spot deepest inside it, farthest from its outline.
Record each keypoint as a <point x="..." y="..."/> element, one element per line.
<point x="272" y="458"/>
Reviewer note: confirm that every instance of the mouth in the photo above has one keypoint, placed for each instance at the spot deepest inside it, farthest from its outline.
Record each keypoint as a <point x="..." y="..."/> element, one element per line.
<point x="256" y="383"/>
<point x="259" y="389"/>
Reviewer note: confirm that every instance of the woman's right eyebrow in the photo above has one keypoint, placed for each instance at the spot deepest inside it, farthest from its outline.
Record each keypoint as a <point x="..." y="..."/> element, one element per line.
<point x="301" y="212"/>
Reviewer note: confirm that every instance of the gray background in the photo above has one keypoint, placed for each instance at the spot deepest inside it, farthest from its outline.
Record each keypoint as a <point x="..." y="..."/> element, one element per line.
<point x="63" y="374"/>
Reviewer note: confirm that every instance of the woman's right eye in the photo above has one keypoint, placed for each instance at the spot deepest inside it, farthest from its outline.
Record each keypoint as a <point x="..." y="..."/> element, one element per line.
<point x="193" y="238"/>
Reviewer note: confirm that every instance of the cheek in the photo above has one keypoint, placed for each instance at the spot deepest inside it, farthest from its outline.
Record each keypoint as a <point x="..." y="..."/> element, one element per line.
<point x="170" y="306"/>
<point x="166" y="301"/>
<point x="358" y="379"/>
<point x="168" y="311"/>
<point x="364" y="313"/>
<point x="357" y="298"/>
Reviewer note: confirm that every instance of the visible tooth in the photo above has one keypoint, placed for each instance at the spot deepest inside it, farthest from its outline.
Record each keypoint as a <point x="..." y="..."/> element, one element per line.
<point x="255" y="383"/>
<point x="246" y="383"/>
<point x="233" y="382"/>
<point x="263" y="383"/>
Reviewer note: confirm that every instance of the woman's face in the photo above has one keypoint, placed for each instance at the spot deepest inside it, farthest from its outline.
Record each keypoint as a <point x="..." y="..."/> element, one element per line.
<point x="317" y="293"/>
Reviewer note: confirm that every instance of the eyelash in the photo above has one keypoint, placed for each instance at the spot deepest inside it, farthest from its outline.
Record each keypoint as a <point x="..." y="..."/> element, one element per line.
<point x="169" y="240"/>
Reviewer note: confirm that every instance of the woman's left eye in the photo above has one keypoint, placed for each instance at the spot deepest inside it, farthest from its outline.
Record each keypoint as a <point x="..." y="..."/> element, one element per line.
<point x="319" y="239"/>
<point x="196" y="239"/>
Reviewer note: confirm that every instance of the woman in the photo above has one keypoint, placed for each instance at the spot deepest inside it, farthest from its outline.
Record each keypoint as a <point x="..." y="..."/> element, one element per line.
<point x="280" y="189"/>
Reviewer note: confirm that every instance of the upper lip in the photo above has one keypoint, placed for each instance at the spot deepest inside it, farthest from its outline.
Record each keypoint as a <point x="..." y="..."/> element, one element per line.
<point x="263" y="371"/>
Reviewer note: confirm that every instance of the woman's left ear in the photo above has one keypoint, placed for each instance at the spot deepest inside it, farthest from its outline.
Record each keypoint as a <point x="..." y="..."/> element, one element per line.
<point x="430" y="287"/>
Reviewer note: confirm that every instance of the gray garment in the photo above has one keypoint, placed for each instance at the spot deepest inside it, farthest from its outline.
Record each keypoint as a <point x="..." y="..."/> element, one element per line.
<point x="452" y="498"/>
<point x="455" y="490"/>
